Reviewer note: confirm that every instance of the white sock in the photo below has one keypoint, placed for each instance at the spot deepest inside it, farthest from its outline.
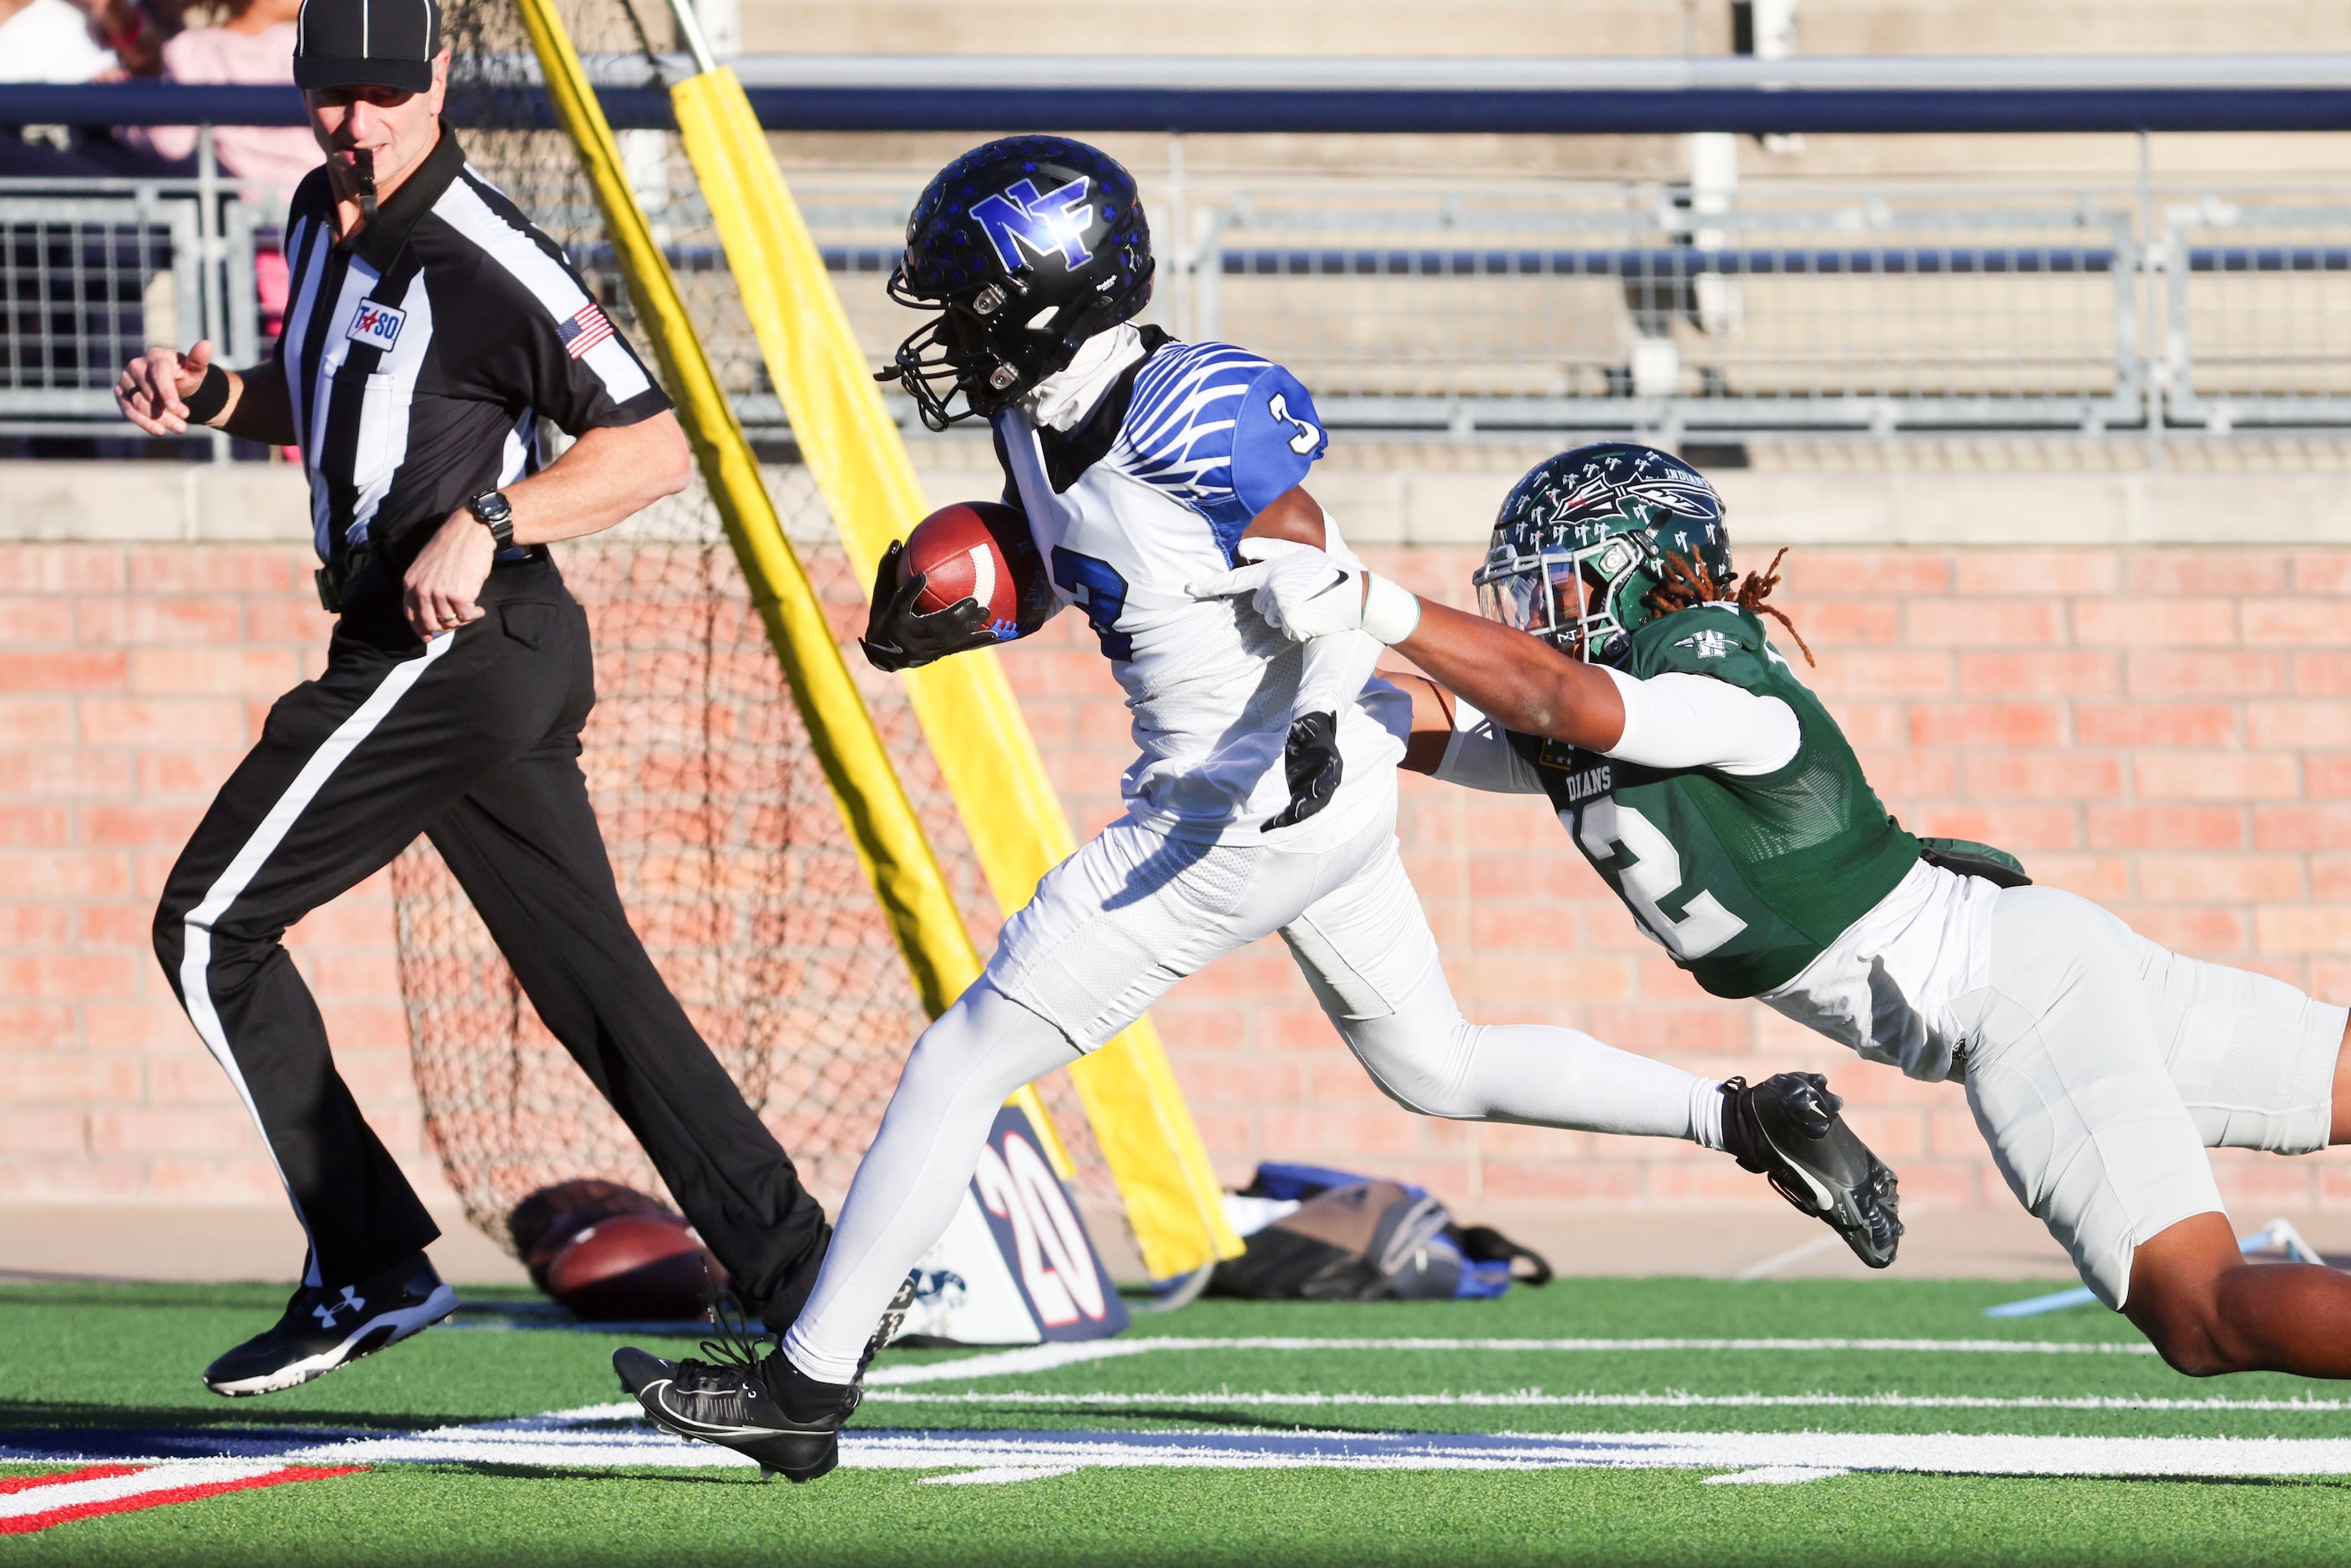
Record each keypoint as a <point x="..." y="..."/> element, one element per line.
<point x="1706" y="1113"/>
<point x="905" y="1191"/>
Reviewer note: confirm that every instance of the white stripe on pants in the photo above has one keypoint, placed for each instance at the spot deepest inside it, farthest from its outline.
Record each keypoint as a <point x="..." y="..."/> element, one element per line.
<point x="195" y="959"/>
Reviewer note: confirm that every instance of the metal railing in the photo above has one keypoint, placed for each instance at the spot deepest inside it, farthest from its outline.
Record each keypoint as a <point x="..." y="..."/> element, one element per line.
<point x="94" y="271"/>
<point x="1542" y="307"/>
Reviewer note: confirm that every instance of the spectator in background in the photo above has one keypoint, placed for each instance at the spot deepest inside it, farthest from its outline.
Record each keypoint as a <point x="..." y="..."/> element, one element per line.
<point x="50" y="41"/>
<point x="253" y="46"/>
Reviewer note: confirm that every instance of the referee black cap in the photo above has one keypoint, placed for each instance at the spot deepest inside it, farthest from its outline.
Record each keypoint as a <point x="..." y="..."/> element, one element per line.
<point x="367" y="43"/>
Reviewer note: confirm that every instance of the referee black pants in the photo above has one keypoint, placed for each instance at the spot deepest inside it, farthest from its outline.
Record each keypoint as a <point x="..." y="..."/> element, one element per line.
<point x="473" y="740"/>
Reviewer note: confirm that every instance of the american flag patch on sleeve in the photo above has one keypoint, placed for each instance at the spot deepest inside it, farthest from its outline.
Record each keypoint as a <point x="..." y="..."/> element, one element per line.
<point x="586" y="329"/>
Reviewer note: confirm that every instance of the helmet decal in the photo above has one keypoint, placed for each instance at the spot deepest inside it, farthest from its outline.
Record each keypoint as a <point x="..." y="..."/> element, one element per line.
<point x="1017" y="217"/>
<point x="1017" y="252"/>
<point x="1586" y="539"/>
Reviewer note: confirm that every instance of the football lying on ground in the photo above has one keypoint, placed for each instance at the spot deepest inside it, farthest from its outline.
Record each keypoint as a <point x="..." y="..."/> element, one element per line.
<point x="542" y="1222"/>
<point x="632" y="1266"/>
<point x="979" y="550"/>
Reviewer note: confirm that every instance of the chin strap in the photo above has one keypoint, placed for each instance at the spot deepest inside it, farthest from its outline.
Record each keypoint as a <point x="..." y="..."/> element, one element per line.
<point x="363" y="165"/>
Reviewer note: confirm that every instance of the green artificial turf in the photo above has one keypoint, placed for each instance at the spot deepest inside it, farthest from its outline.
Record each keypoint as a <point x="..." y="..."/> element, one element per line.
<point x="125" y="1356"/>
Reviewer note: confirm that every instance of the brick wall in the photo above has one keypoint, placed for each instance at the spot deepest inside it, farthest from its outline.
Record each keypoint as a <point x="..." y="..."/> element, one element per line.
<point x="2166" y="730"/>
<point x="131" y="682"/>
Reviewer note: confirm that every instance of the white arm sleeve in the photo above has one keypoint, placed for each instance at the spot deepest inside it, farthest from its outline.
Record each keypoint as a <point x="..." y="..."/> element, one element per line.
<point x="1678" y="720"/>
<point x="1479" y="756"/>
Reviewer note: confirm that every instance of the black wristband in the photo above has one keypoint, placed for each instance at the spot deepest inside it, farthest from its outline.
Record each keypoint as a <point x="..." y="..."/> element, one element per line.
<point x="209" y="397"/>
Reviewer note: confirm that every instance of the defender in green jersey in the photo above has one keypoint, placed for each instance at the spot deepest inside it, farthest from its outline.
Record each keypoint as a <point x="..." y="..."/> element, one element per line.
<point x="1624" y="671"/>
<point x="1745" y="880"/>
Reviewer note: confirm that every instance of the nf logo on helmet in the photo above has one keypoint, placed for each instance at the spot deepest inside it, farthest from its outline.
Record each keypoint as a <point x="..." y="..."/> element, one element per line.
<point x="1019" y="219"/>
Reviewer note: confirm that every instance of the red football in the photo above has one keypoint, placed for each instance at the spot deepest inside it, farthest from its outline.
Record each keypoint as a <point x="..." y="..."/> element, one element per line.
<point x="979" y="550"/>
<point x="642" y="1266"/>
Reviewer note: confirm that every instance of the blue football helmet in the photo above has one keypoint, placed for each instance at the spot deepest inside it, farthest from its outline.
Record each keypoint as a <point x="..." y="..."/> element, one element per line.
<point x="1025" y="247"/>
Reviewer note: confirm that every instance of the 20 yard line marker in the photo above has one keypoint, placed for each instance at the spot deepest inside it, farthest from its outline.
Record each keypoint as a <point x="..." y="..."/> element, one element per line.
<point x="29" y="1503"/>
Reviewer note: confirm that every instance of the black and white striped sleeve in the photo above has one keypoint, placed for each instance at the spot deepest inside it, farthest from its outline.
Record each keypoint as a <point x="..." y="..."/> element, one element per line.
<point x="545" y="343"/>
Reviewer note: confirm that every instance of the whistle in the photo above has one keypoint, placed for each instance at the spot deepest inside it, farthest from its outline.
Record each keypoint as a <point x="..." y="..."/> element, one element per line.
<point x="364" y="166"/>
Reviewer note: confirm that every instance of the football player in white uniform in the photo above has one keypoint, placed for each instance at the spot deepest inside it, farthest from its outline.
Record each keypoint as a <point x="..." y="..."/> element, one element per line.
<point x="1710" y="788"/>
<point x="1264" y="798"/>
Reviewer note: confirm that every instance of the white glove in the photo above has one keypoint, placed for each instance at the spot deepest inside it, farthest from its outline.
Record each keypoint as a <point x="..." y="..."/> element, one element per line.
<point x="1304" y="593"/>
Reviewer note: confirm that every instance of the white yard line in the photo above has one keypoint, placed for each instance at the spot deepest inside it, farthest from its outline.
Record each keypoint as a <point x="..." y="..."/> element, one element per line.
<point x="1948" y="1453"/>
<point x="588" y="1438"/>
<point x="1533" y="1398"/>
<point x="1046" y="1357"/>
<point x="1029" y="1452"/>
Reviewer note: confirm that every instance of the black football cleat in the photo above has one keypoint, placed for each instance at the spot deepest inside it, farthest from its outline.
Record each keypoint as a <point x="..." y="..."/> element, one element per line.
<point x="328" y="1326"/>
<point x="1787" y="1129"/>
<point x="762" y="1406"/>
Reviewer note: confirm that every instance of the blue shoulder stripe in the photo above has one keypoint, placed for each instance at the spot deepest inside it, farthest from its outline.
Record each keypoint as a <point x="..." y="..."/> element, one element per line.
<point x="1181" y="436"/>
<point x="1178" y="432"/>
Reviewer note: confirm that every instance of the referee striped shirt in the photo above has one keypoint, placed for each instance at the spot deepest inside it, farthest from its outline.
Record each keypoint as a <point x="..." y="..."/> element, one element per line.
<point x="425" y="355"/>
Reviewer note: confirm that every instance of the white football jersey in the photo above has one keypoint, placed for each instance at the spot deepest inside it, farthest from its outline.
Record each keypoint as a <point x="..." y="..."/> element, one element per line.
<point x="1211" y="436"/>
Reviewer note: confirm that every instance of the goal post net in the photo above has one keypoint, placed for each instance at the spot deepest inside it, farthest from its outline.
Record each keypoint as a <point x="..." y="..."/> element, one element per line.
<point x="727" y="842"/>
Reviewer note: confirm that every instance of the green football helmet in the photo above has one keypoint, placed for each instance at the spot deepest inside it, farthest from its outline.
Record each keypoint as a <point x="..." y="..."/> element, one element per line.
<point x="1584" y="539"/>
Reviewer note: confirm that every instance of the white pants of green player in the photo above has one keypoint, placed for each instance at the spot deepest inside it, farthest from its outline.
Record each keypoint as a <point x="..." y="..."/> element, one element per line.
<point x="2100" y="1067"/>
<point x="1117" y="924"/>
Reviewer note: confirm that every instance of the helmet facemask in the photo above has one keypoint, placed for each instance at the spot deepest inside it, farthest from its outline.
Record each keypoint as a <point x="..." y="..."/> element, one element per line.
<point x="1572" y="599"/>
<point x="977" y="345"/>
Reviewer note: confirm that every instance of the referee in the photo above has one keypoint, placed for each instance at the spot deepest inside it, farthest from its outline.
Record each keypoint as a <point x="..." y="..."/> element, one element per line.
<point x="431" y="335"/>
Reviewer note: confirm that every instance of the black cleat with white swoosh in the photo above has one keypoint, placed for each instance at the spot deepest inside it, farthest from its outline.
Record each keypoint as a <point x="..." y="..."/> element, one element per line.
<point x="328" y="1326"/>
<point x="1787" y="1129"/>
<point x="759" y="1405"/>
<point x="794" y="1431"/>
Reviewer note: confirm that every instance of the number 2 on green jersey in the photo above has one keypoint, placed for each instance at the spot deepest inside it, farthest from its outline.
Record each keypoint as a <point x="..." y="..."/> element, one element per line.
<point x="1649" y="870"/>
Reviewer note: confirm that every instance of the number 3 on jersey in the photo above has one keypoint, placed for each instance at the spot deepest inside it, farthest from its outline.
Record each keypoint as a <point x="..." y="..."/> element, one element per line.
<point x="1649" y="869"/>
<point x="1097" y="585"/>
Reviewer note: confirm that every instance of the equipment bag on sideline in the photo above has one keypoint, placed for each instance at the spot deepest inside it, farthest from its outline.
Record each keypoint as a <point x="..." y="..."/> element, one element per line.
<point x="1320" y="1235"/>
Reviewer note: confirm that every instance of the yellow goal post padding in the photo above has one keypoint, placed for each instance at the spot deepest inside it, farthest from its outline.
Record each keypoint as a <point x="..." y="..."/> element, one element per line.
<point x="986" y="754"/>
<point x="891" y="846"/>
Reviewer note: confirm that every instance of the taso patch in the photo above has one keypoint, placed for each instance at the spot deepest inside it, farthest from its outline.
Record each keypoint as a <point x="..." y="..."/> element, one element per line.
<point x="377" y="326"/>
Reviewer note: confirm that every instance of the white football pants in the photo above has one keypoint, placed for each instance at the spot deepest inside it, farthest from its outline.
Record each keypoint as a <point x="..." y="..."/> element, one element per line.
<point x="1109" y="931"/>
<point x="2100" y="1067"/>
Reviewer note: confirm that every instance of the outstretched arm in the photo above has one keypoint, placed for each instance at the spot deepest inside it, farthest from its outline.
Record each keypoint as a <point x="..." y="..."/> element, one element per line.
<point x="1517" y="679"/>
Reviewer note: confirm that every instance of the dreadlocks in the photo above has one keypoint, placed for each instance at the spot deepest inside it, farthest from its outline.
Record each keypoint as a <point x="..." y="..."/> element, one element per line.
<point x="1688" y="582"/>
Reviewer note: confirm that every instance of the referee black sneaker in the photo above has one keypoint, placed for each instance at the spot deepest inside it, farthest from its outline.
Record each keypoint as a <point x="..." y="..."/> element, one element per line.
<point x="328" y="1326"/>
<point x="1787" y="1129"/>
<point x="759" y="1405"/>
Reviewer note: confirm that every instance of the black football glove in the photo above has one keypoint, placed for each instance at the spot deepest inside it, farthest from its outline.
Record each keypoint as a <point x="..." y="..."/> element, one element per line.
<point x="1311" y="759"/>
<point x="896" y="638"/>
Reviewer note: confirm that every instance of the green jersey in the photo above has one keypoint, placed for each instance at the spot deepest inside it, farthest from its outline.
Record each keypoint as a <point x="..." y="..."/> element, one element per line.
<point x="1743" y="880"/>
